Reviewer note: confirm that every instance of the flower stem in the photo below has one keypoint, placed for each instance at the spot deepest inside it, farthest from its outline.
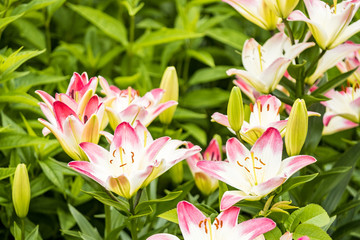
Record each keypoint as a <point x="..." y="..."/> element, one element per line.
<point x="107" y="220"/>
<point x="290" y="33"/>
<point x="133" y="220"/>
<point x="22" y="229"/>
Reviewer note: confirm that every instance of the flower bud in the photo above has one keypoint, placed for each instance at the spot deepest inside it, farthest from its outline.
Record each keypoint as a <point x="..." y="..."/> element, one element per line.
<point x="169" y="83"/>
<point x="296" y="128"/>
<point x="235" y="109"/>
<point x="21" y="191"/>
<point x="177" y="173"/>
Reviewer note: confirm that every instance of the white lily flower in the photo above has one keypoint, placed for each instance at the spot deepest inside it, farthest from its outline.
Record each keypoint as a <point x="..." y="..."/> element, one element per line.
<point x="266" y="65"/>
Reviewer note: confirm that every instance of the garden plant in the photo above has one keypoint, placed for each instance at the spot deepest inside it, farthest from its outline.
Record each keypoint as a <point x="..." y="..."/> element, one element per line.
<point x="180" y="119"/>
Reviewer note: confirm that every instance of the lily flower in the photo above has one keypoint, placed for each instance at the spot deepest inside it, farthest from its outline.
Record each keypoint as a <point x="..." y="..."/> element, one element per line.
<point x="331" y="58"/>
<point x="351" y="61"/>
<point x="257" y="172"/>
<point x="264" y="114"/>
<point x="266" y="65"/>
<point x="134" y="159"/>
<point x="282" y="8"/>
<point x="74" y="117"/>
<point x="204" y="182"/>
<point x="329" y="25"/>
<point x="128" y="106"/>
<point x="345" y="103"/>
<point x="336" y="123"/>
<point x="256" y="11"/>
<point x="195" y="225"/>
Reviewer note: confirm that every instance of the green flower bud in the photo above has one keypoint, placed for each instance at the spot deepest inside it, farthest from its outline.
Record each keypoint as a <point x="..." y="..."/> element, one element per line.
<point x="296" y="128"/>
<point x="235" y="109"/>
<point x="21" y="191"/>
<point x="177" y="173"/>
<point x="169" y="83"/>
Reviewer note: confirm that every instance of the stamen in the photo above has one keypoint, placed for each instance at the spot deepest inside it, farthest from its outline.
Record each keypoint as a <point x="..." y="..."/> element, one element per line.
<point x="253" y="165"/>
<point x="259" y="110"/>
<point x="200" y="223"/>
<point x="251" y="107"/>
<point x="205" y="221"/>
<point x="145" y="138"/>
<point x="258" y="168"/>
<point x="111" y="161"/>
<point x="132" y="157"/>
<point x="121" y="154"/>
<point x="114" y="153"/>
<point x="221" y="223"/>
<point x="268" y="107"/>
<point x="85" y="118"/>
<point x="246" y="158"/>
<point x="123" y="164"/>
<point x="335" y="3"/>
<point x="247" y="169"/>
<point x="239" y="164"/>
<point x="262" y="162"/>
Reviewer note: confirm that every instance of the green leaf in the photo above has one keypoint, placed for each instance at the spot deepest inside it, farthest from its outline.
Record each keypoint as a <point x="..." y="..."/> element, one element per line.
<point x="314" y="130"/>
<point x="170" y="215"/>
<point x="14" y="97"/>
<point x="86" y="228"/>
<point x="311" y="99"/>
<point x="185" y="114"/>
<point x="228" y="36"/>
<point x="314" y="214"/>
<point x="346" y="207"/>
<point x="101" y="196"/>
<point x="205" y="98"/>
<point x="202" y="56"/>
<point x="274" y="234"/>
<point x="10" y="63"/>
<point x="164" y="36"/>
<point x="297" y="181"/>
<point x="312" y="231"/>
<point x="222" y="189"/>
<point x="40" y="185"/>
<point x="53" y="173"/>
<point x="205" y="75"/>
<point x="197" y="132"/>
<point x="145" y="204"/>
<point x="345" y="230"/>
<point x="16" y="140"/>
<point x="333" y="83"/>
<point x="30" y="80"/>
<point x="34" y="234"/>
<point x="7" y="20"/>
<point x="31" y="33"/>
<point x="6" y="172"/>
<point x="109" y="25"/>
<point x="283" y="97"/>
<point x="32" y="6"/>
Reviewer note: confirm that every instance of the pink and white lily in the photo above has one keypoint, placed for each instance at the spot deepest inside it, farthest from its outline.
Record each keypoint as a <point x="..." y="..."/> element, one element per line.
<point x="336" y="123"/>
<point x="264" y="114"/>
<point x="128" y="106"/>
<point x="74" y="117"/>
<point x="204" y="182"/>
<point x="351" y="61"/>
<point x="330" y="26"/>
<point x="256" y="11"/>
<point x="195" y="225"/>
<point x="134" y="159"/>
<point x="257" y="172"/>
<point x="331" y="58"/>
<point x="266" y="65"/>
<point x="345" y="103"/>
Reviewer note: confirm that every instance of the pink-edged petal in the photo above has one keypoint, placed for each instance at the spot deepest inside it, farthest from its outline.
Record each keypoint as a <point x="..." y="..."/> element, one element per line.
<point x="62" y="111"/>
<point x="155" y="147"/>
<point x="327" y="117"/>
<point x="143" y="134"/>
<point x="159" y="109"/>
<point x="250" y="78"/>
<point x="212" y="152"/>
<point x="293" y="164"/>
<point x="268" y="149"/>
<point x="267" y="187"/>
<point x="91" y="107"/>
<point x="230" y="216"/>
<point x="229" y="173"/>
<point x="87" y="169"/>
<point x="272" y="75"/>
<point x="48" y="99"/>
<point x="221" y="119"/>
<point x="126" y="137"/>
<point x="109" y="137"/>
<point x="286" y="236"/>
<point x="189" y="218"/>
<point x="157" y="94"/>
<point x="231" y="197"/>
<point x="235" y="150"/>
<point x="48" y="113"/>
<point x="250" y="229"/>
<point x="249" y="91"/>
<point x="71" y="103"/>
<point x="304" y="238"/>
<point x="96" y="154"/>
<point x="163" y="236"/>
<point x="338" y="124"/>
<point x="76" y="84"/>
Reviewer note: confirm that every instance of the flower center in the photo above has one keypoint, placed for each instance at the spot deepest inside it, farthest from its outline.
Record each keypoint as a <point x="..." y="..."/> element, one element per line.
<point x="206" y="223"/>
<point x="122" y="156"/>
<point x="253" y="165"/>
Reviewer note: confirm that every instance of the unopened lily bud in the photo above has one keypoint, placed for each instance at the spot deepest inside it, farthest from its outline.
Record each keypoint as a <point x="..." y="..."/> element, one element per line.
<point x="169" y="83"/>
<point x="21" y="191"/>
<point x="296" y="128"/>
<point x="235" y="109"/>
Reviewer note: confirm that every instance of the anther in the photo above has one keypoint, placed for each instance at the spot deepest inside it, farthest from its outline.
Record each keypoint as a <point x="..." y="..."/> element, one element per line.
<point x="132" y="157"/>
<point x="251" y="107"/>
<point x="85" y="118"/>
<point x="262" y="162"/>
<point x="247" y="169"/>
<point x="111" y="161"/>
<point x="246" y="158"/>
<point x="200" y="223"/>
<point x="258" y="168"/>
<point x="239" y="164"/>
<point x="114" y="153"/>
<point x="123" y="164"/>
<point x="268" y="107"/>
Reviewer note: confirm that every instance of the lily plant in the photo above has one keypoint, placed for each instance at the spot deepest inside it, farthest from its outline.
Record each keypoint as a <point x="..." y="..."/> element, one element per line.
<point x="128" y="106"/>
<point x="74" y="117"/>
<point x="330" y="26"/>
<point x="266" y="65"/>
<point x="195" y="225"/>
<point x="257" y="172"/>
<point x="133" y="161"/>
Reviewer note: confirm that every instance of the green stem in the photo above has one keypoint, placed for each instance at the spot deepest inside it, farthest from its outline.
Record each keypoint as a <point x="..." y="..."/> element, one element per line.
<point x="132" y="221"/>
<point x="315" y="63"/>
<point x="238" y="135"/>
<point x="22" y="229"/>
<point x="291" y="35"/>
<point x="107" y="220"/>
<point x="165" y="127"/>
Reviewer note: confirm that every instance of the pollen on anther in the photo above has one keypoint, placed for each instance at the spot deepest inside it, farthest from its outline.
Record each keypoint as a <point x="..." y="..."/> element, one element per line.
<point x="111" y="161"/>
<point x="268" y="107"/>
<point x="239" y="164"/>
<point x="123" y="164"/>
<point x="200" y="223"/>
<point x="114" y="153"/>
<point x="251" y="107"/>
<point x="247" y="169"/>
<point x="132" y="157"/>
